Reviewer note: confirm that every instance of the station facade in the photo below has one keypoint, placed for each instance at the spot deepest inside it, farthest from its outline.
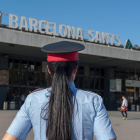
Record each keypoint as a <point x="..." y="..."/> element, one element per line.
<point x="105" y="68"/>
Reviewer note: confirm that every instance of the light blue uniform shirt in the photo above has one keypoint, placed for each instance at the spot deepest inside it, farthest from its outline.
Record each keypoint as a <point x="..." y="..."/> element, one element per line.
<point x="91" y="117"/>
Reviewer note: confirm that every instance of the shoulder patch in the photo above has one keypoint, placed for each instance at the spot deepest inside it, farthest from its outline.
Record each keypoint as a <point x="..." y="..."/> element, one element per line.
<point x="39" y="89"/>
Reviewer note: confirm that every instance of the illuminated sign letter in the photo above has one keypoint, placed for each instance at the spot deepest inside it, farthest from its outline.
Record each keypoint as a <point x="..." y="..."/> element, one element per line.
<point x="32" y="24"/>
<point x="98" y="37"/>
<point x="48" y="31"/>
<point x="71" y="32"/>
<point x="111" y="35"/>
<point x="13" y="21"/>
<point x="0" y="17"/>
<point x="79" y="34"/>
<point x="65" y="30"/>
<point x="91" y="35"/>
<point x="104" y="38"/>
<point x="23" y="24"/>
<point x="54" y="29"/>
<point x="116" y="37"/>
<point x="39" y="26"/>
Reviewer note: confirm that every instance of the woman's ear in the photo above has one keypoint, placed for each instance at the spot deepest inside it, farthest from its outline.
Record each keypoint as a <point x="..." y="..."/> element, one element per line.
<point x="48" y="69"/>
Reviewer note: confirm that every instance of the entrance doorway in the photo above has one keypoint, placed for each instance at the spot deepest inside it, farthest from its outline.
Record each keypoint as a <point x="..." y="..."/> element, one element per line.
<point x="130" y="98"/>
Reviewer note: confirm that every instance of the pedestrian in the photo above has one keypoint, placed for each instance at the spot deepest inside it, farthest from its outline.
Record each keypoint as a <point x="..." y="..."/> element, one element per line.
<point x="62" y="112"/>
<point x="124" y="108"/>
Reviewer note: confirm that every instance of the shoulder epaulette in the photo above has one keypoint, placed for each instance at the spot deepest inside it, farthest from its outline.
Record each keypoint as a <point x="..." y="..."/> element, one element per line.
<point x="39" y="89"/>
<point x="90" y="92"/>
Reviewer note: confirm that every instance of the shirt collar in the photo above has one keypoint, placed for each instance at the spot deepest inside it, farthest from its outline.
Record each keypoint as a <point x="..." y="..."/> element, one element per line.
<point x="71" y="84"/>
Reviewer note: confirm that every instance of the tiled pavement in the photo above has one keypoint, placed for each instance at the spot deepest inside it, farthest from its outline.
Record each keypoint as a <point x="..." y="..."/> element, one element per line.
<point x="124" y="129"/>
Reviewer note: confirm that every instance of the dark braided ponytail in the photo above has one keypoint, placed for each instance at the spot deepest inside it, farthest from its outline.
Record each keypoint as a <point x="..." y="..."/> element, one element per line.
<point x="60" y="109"/>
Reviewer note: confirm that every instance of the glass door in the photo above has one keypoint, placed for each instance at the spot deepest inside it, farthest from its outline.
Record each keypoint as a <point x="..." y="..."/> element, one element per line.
<point x="130" y="99"/>
<point x="117" y="100"/>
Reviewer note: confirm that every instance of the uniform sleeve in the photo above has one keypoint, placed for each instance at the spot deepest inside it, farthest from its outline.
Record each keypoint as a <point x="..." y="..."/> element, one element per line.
<point x="21" y="125"/>
<point x="102" y="126"/>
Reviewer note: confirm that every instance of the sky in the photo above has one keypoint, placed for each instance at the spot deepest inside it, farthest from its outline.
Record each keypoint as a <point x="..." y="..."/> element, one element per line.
<point x="119" y="17"/>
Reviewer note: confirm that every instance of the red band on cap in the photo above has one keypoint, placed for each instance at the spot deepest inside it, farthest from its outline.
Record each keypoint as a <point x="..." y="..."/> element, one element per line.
<point x="73" y="56"/>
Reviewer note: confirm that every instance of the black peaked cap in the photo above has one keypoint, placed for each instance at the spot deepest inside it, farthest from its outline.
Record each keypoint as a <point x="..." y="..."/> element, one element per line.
<point x="63" y="47"/>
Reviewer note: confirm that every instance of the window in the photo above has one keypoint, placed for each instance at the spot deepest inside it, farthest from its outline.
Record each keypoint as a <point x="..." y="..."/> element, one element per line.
<point x="122" y="74"/>
<point x="117" y="73"/>
<point x="97" y="83"/>
<point x="127" y="74"/>
<point x="91" y="82"/>
<point x="81" y="70"/>
<point x="102" y="73"/>
<point x="86" y="71"/>
<point x="10" y="71"/>
<point x="16" y="64"/>
<point x="91" y="71"/>
<point x="91" y="78"/>
<point x="86" y="83"/>
<point x="97" y="72"/>
<point x="81" y="82"/>
<point x="24" y="65"/>
<point x="16" y="77"/>
<point x="131" y="75"/>
<point x="76" y="81"/>
<point x="10" y="64"/>
<point x="24" y="76"/>
<point x="37" y="79"/>
<point x="31" y="66"/>
<point x="43" y="81"/>
<point x="30" y="78"/>
<point x="38" y="66"/>
<point x="102" y="83"/>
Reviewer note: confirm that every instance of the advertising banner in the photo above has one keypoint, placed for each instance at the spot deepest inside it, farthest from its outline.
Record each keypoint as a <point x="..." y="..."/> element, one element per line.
<point x="115" y="85"/>
<point x="4" y="77"/>
<point x="118" y="85"/>
<point x="112" y="85"/>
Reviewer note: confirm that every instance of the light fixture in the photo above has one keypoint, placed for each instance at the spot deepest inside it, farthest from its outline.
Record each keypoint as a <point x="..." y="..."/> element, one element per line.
<point x="5" y="55"/>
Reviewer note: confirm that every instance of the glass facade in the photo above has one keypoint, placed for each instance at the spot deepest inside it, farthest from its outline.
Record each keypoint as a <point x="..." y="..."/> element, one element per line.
<point x="91" y="78"/>
<point x="24" y="77"/>
<point x="133" y="96"/>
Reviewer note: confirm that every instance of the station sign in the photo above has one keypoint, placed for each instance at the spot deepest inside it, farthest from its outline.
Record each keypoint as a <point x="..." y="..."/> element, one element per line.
<point x="132" y="83"/>
<point x="128" y="44"/>
<point x="130" y="90"/>
<point x="52" y="28"/>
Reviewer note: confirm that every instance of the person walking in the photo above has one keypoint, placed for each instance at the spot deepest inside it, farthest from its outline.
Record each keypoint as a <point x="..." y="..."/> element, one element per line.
<point x="124" y="108"/>
<point x="62" y="111"/>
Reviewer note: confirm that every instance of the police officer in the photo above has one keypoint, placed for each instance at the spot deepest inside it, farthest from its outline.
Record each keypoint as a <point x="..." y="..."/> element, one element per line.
<point x="62" y="112"/>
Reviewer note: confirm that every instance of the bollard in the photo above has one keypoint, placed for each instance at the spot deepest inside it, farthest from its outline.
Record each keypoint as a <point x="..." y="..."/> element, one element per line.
<point x="5" y="105"/>
<point x="12" y="105"/>
<point x="138" y="108"/>
<point x="132" y="107"/>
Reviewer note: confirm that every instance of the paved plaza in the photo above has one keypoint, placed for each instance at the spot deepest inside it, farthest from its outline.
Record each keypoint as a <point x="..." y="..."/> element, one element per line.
<point x="124" y="129"/>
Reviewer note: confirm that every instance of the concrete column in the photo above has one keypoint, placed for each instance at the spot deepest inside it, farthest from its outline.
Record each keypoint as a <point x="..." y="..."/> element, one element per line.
<point x="109" y="96"/>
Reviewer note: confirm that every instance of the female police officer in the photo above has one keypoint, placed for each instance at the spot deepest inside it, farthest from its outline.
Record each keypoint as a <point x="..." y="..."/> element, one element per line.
<point x="62" y="112"/>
